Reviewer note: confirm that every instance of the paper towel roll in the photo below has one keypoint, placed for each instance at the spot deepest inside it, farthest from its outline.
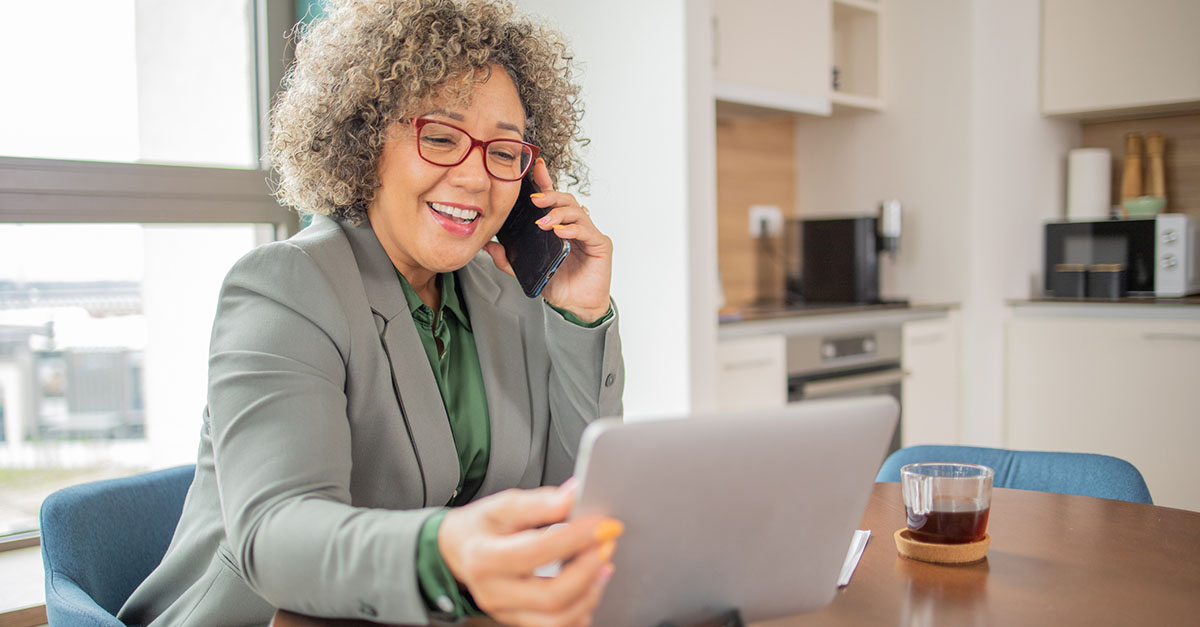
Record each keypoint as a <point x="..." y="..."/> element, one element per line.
<point x="1089" y="184"/>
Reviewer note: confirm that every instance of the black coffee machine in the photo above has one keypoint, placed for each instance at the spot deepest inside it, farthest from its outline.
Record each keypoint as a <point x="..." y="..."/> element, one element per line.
<point x="836" y="260"/>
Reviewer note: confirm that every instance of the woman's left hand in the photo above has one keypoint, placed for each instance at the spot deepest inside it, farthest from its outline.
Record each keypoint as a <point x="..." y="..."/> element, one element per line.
<point x="582" y="282"/>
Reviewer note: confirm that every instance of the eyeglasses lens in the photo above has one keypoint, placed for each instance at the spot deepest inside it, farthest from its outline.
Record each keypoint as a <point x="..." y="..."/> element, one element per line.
<point x="448" y="146"/>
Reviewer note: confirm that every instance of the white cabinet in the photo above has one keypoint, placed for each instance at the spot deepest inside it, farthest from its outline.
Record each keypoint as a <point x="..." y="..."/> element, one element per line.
<point x="786" y="55"/>
<point x="773" y="54"/>
<point x="752" y="373"/>
<point x="930" y="357"/>
<point x="1117" y="386"/>
<point x="1120" y="56"/>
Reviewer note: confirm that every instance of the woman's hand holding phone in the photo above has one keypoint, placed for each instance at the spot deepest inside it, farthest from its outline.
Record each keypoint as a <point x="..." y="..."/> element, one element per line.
<point x="582" y="282"/>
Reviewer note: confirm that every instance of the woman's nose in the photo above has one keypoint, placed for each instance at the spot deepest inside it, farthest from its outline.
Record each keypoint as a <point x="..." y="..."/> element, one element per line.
<point x="471" y="173"/>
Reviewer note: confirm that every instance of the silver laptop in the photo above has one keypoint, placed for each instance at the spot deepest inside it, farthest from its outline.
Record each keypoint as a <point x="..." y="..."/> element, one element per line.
<point x="746" y="512"/>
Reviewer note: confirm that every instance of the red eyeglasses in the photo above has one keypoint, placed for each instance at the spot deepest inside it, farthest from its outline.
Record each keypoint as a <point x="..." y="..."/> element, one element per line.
<point x="447" y="145"/>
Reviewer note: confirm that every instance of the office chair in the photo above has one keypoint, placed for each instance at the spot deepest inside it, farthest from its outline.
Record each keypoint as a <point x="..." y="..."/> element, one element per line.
<point x="101" y="539"/>
<point x="1064" y="473"/>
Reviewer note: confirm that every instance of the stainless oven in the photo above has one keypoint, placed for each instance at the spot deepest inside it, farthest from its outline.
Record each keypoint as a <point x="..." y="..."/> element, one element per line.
<point x="845" y="365"/>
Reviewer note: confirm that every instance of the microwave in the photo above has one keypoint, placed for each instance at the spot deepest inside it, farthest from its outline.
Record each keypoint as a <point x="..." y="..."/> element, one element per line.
<point x="1158" y="253"/>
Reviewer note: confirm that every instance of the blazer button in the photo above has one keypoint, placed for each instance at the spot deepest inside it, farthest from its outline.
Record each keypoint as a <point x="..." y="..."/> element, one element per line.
<point x="612" y="378"/>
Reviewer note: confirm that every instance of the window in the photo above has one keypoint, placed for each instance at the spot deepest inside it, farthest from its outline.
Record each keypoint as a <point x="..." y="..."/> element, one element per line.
<point x="130" y="180"/>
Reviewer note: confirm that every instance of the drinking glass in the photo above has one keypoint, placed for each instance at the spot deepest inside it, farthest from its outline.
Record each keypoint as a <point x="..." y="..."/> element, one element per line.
<point x="947" y="503"/>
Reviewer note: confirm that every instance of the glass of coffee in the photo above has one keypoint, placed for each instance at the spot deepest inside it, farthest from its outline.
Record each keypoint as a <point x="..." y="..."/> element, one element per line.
<point x="947" y="503"/>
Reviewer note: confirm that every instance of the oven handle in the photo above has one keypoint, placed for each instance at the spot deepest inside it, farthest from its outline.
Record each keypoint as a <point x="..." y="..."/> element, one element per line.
<point x="833" y="387"/>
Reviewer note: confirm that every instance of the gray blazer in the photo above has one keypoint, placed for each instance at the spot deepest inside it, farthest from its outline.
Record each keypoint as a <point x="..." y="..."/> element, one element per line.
<point x="325" y="444"/>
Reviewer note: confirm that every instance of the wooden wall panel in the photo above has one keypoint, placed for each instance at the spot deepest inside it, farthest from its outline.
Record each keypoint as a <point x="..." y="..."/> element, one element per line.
<point x="1181" y="159"/>
<point x="756" y="165"/>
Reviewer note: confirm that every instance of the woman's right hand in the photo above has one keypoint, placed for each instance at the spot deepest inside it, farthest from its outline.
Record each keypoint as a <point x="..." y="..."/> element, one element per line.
<point x="492" y="546"/>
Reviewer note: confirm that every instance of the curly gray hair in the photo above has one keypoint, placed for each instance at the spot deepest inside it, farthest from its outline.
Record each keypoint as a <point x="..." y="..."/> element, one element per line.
<point x="369" y="63"/>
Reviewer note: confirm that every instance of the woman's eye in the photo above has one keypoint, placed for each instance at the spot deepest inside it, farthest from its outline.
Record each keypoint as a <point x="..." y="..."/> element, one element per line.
<point x="438" y="141"/>
<point x="506" y="156"/>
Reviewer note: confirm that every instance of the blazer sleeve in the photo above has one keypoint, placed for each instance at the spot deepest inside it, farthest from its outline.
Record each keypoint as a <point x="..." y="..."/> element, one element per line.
<point x="587" y="380"/>
<point x="281" y="445"/>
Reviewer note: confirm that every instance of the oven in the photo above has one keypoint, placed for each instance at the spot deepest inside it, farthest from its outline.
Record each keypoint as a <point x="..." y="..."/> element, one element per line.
<point x="846" y="365"/>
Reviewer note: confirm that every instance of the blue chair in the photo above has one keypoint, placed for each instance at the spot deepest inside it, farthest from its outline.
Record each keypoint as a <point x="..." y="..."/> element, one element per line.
<point x="1064" y="473"/>
<point x="100" y="540"/>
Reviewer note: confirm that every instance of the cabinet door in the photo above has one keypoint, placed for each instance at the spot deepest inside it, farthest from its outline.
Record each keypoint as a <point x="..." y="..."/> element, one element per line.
<point x="774" y="54"/>
<point x="1119" y="55"/>
<point x="930" y="391"/>
<point x="752" y="373"/>
<point x="1126" y="388"/>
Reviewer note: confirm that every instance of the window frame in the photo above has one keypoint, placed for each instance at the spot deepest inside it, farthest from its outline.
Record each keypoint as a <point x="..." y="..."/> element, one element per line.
<point x="89" y="192"/>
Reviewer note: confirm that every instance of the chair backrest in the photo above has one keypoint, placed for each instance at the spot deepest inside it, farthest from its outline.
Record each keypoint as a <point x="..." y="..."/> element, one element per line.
<point x="1064" y="473"/>
<point x="101" y="539"/>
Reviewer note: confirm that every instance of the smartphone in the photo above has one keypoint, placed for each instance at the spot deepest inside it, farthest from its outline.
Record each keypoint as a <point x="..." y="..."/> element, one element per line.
<point x="533" y="253"/>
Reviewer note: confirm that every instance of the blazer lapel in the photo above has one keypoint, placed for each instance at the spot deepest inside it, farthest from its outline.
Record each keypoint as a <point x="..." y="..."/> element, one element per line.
<point x="501" y="349"/>
<point x="416" y="389"/>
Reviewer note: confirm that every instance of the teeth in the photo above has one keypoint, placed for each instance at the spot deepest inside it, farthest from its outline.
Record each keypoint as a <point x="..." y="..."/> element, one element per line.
<point x="454" y="212"/>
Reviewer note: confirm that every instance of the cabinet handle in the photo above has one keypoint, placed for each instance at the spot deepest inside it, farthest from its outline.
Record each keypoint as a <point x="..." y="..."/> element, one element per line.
<point x="745" y="365"/>
<point x="1171" y="337"/>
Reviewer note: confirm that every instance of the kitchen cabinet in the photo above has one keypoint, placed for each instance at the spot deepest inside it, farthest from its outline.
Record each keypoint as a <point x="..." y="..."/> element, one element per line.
<point x="1120" y="57"/>
<point x="751" y="373"/>
<point x="801" y="56"/>
<point x="930" y="359"/>
<point x="1111" y="379"/>
<point x="772" y="54"/>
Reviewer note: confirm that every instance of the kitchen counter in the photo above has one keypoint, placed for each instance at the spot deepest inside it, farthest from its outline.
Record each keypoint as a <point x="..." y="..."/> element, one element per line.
<point x="1141" y="308"/>
<point x="827" y="318"/>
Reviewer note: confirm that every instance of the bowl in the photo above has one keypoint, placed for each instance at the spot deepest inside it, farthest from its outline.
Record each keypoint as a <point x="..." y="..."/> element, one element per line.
<point x="1144" y="205"/>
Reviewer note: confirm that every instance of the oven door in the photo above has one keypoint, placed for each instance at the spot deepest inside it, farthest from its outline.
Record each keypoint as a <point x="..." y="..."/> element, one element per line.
<point x="870" y="381"/>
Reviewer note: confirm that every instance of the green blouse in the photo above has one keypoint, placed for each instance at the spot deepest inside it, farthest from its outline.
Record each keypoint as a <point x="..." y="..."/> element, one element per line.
<point x="450" y="347"/>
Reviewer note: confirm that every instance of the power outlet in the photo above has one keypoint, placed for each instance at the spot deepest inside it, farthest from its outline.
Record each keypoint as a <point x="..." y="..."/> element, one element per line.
<point x="768" y="216"/>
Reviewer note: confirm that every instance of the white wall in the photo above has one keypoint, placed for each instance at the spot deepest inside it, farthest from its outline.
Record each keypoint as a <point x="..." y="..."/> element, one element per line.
<point x="963" y="145"/>
<point x="633" y="62"/>
<point x="1017" y="181"/>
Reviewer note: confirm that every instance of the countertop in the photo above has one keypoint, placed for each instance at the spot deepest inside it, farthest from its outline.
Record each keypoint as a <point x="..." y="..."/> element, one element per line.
<point x="1189" y="300"/>
<point x="797" y="320"/>
<point x="1126" y="308"/>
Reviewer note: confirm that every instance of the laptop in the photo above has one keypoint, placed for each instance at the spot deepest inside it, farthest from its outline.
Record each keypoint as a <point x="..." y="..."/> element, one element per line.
<point x="741" y="512"/>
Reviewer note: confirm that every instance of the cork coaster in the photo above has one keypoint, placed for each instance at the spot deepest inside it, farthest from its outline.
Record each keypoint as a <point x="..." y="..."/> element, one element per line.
<point x="941" y="553"/>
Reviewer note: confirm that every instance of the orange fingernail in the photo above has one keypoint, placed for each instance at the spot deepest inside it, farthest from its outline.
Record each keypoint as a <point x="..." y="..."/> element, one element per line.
<point x="559" y="226"/>
<point x="541" y="161"/>
<point x="609" y="529"/>
<point x="536" y="195"/>
<point x="606" y="550"/>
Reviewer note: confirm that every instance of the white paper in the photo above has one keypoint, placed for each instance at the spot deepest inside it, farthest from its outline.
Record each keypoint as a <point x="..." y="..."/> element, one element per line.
<point x="853" y="555"/>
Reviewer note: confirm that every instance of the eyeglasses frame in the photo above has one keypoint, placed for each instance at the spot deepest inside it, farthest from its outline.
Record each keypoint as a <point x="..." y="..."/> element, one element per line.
<point x="419" y="123"/>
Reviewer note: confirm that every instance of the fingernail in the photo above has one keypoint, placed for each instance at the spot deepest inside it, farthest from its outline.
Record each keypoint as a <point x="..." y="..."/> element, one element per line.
<point x="609" y="529"/>
<point x="569" y="484"/>
<point x="541" y="161"/>
<point x="559" y="226"/>
<point x="606" y="550"/>
<point x="536" y="195"/>
<point x="606" y="573"/>
<point x="544" y="220"/>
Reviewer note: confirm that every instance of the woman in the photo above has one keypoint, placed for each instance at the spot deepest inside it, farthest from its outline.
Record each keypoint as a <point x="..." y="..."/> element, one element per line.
<point x="379" y="367"/>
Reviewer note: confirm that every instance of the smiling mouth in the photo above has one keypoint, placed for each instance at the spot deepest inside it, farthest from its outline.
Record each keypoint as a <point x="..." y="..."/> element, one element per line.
<point x="459" y="215"/>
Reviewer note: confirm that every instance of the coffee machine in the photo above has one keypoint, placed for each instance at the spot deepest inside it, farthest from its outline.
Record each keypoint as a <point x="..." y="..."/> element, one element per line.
<point x="836" y="260"/>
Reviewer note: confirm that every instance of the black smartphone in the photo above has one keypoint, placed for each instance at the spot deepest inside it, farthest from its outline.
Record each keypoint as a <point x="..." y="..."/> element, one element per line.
<point x="533" y="253"/>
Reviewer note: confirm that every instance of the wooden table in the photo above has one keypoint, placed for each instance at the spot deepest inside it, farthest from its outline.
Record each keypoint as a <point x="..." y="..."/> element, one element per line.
<point x="1054" y="560"/>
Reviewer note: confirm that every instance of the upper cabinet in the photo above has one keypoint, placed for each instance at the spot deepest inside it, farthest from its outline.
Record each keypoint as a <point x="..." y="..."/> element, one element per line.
<point x="800" y="56"/>
<point x="1120" y="57"/>
<point x="773" y="54"/>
